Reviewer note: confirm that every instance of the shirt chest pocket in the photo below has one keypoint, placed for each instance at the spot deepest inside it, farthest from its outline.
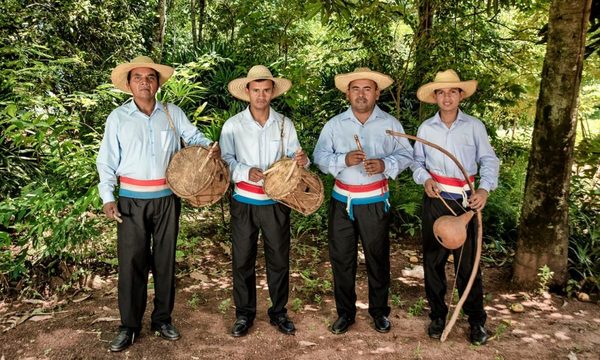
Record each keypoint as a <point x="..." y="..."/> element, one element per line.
<point x="275" y="148"/>
<point x="167" y="140"/>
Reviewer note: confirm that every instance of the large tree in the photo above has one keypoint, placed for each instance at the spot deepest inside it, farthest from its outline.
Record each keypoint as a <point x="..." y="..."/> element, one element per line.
<point x="544" y="229"/>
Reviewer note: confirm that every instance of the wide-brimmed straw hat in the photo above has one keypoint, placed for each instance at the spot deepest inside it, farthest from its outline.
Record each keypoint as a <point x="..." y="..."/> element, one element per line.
<point x="444" y="80"/>
<point x="237" y="87"/>
<point x="343" y="80"/>
<point x="119" y="73"/>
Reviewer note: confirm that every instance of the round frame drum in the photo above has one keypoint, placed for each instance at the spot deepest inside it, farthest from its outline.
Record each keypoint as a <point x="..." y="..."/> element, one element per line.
<point x="196" y="178"/>
<point x="294" y="186"/>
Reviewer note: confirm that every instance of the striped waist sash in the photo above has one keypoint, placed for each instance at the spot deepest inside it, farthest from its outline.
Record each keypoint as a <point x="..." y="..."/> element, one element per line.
<point x="143" y="189"/>
<point x="251" y="194"/>
<point x="361" y="194"/>
<point x="453" y="188"/>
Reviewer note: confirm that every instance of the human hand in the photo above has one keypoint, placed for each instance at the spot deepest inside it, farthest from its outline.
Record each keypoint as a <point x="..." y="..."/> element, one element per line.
<point x="478" y="200"/>
<point x="355" y="157"/>
<point x="431" y="188"/>
<point x="255" y="174"/>
<point x="111" y="211"/>
<point x="301" y="158"/>
<point x="214" y="150"/>
<point x="374" y="166"/>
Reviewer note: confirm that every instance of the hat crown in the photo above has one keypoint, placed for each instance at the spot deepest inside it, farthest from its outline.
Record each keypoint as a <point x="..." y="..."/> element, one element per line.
<point x="259" y="72"/>
<point x="142" y="60"/>
<point x="362" y="69"/>
<point x="446" y="76"/>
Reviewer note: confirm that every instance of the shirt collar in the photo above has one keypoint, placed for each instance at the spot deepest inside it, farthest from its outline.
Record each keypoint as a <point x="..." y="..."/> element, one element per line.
<point x="349" y="115"/>
<point x="273" y="117"/>
<point x="132" y="107"/>
<point x="459" y="117"/>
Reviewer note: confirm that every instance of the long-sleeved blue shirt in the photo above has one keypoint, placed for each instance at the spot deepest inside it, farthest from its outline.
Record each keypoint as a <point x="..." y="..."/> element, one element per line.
<point x="245" y="144"/>
<point x="466" y="139"/>
<point x="337" y="139"/>
<point x="139" y="146"/>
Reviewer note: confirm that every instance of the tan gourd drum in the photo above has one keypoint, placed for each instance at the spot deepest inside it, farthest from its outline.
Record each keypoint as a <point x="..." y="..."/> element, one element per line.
<point x="294" y="186"/>
<point x="196" y="178"/>
<point x="451" y="231"/>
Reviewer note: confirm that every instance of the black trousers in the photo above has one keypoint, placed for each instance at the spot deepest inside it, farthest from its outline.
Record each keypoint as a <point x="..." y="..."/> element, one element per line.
<point x="434" y="264"/>
<point x="274" y="222"/>
<point x="371" y="223"/>
<point x="146" y="241"/>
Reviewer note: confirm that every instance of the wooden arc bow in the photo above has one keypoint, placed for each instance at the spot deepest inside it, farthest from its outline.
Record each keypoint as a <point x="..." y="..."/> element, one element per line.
<point x="475" y="269"/>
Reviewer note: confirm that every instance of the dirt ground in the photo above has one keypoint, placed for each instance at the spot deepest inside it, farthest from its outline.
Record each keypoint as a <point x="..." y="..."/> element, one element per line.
<point x="81" y="325"/>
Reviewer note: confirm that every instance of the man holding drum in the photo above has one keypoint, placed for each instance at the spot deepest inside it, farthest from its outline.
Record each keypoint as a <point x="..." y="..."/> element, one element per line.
<point x="252" y="140"/>
<point x="139" y="140"/>
<point x="354" y="147"/>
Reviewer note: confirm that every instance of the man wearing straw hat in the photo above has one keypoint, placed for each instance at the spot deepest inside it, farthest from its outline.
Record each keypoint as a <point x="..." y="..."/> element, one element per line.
<point x="139" y="140"/>
<point x="252" y="140"/>
<point x="354" y="148"/>
<point x="466" y="138"/>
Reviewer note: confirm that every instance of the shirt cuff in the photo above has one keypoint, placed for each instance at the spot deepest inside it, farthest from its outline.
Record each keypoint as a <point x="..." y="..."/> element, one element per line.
<point x="421" y="176"/>
<point x="485" y="186"/>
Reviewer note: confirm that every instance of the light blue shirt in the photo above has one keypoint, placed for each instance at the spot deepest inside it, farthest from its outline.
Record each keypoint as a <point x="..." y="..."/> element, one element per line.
<point x="337" y="139"/>
<point x="139" y="146"/>
<point x="466" y="139"/>
<point x="245" y="144"/>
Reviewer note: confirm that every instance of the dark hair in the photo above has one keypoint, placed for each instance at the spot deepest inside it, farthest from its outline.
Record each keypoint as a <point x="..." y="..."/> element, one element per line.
<point x="156" y="72"/>
<point x="260" y="80"/>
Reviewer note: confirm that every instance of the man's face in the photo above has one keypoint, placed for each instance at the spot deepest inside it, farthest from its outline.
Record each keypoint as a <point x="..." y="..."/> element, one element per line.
<point x="143" y="83"/>
<point x="362" y="94"/>
<point x="260" y="94"/>
<point x="449" y="99"/>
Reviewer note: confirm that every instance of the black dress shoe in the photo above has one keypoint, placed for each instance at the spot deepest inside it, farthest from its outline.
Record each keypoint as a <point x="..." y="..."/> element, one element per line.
<point x="241" y="327"/>
<point x="166" y="331"/>
<point x="284" y="324"/>
<point x="125" y="338"/>
<point x="382" y="324"/>
<point x="478" y="335"/>
<point x="341" y="325"/>
<point x="436" y="328"/>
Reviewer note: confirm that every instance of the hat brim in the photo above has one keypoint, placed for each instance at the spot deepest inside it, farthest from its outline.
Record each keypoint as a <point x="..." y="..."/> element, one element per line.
<point x="237" y="87"/>
<point x="119" y="74"/>
<point x="342" y="81"/>
<point x="426" y="93"/>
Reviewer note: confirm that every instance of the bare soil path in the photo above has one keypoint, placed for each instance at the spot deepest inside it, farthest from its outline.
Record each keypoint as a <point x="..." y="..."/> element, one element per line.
<point x="80" y="326"/>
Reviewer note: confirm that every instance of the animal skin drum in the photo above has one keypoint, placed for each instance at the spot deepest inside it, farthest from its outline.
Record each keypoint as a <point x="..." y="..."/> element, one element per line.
<point x="294" y="186"/>
<point x="196" y="178"/>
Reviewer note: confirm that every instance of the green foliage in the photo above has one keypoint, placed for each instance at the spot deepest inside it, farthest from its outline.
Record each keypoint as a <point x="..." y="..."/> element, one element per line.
<point x="297" y="305"/>
<point x="584" y="216"/>
<point x="544" y="277"/>
<point x="417" y="308"/>
<point x="56" y="61"/>
<point x="397" y="301"/>
<point x="224" y="306"/>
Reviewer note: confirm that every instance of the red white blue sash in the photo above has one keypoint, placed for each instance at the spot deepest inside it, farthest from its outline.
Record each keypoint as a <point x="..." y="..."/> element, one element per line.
<point x="453" y="188"/>
<point x="251" y="194"/>
<point x="143" y="189"/>
<point x="361" y="194"/>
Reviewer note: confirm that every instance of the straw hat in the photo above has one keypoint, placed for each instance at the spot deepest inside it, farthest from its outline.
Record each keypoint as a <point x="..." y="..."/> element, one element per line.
<point x="237" y="87"/>
<point x="119" y="73"/>
<point x="343" y="80"/>
<point x="444" y="80"/>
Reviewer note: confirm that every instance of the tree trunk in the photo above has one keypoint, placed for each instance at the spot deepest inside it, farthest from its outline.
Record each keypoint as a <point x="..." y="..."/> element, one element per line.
<point x="193" y="16"/>
<point x="422" y="50"/>
<point x="201" y="20"/>
<point x="159" y="32"/>
<point x="544" y="228"/>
